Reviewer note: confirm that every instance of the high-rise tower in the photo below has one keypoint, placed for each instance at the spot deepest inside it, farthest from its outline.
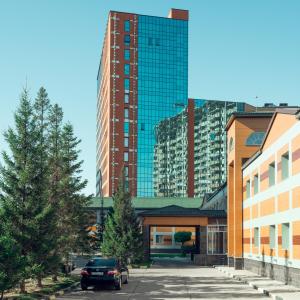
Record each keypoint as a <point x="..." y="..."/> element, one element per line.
<point x="142" y="80"/>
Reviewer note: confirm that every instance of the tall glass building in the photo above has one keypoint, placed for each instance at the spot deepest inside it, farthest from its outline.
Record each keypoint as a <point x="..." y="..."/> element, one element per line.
<point x="162" y="86"/>
<point x="142" y="80"/>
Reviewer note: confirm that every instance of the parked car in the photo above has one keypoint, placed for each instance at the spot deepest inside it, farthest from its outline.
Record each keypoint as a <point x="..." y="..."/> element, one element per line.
<point x="100" y="271"/>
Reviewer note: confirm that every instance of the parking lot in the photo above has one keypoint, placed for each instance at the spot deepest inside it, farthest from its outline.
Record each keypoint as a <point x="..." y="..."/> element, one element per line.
<point x="167" y="280"/>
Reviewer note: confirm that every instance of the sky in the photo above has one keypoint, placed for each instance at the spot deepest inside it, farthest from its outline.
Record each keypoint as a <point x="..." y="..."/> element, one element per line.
<point x="238" y="50"/>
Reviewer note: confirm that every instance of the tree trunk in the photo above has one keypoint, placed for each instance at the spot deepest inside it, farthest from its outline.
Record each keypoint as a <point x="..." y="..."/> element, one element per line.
<point x="22" y="287"/>
<point x="39" y="281"/>
<point x="2" y="294"/>
<point x="54" y="277"/>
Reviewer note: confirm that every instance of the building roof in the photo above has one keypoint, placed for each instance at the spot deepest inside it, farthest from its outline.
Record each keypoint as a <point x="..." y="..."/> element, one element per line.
<point x="288" y="111"/>
<point x="255" y="114"/>
<point x="151" y="202"/>
<point x="178" y="211"/>
<point x="164" y="17"/>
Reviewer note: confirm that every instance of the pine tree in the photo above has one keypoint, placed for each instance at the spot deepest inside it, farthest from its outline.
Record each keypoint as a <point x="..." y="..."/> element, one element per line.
<point x="55" y="176"/>
<point x="122" y="235"/>
<point x="73" y="203"/>
<point x="11" y="261"/>
<point x="45" y="241"/>
<point x="18" y="179"/>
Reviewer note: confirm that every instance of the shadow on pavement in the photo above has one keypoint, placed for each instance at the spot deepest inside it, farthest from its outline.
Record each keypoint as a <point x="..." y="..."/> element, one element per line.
<point x="173" y="287"/>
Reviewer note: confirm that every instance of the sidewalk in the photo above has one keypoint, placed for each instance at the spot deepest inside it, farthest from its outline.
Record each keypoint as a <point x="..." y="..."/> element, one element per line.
<point x="275" y="289"/>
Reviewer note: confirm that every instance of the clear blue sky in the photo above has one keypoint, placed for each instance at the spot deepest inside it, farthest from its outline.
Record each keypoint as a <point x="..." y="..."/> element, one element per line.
<point x="238" y="50"/>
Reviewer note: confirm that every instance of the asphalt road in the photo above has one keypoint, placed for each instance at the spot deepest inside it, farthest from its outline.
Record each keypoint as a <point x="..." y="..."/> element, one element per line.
<point x="169" y="280"/>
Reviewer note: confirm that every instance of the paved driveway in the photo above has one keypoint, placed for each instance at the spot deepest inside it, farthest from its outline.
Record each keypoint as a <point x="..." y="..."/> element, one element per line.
<point x="168" y="280"/>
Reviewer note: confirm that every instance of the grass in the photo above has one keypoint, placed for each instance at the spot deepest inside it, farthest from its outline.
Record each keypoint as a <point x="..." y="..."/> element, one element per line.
<point x="49" y="288"/>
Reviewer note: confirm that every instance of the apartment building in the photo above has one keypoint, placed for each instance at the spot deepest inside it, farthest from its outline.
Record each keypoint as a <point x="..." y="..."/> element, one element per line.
<point x="190" y="149"/>
<point x="210" y="151"/>
<point x="142" y="79"/>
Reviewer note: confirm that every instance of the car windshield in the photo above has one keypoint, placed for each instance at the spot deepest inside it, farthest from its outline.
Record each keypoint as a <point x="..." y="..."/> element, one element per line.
<point x="101" y="262"/>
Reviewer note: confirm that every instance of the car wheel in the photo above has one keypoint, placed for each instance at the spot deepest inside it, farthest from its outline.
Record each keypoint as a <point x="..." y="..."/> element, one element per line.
<point x="118" y="285"/>
<point x="84" y="286"/>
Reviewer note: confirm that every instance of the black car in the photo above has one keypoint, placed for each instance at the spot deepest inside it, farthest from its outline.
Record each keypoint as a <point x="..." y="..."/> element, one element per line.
<point x="103" y="271"/>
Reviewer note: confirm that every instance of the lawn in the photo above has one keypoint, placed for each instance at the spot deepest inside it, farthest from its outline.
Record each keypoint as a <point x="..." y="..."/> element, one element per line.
<point x="49" y="288"/>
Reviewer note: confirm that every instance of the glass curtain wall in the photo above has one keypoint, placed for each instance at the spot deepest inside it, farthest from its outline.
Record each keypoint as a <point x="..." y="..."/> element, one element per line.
<point x="162" y="86"/>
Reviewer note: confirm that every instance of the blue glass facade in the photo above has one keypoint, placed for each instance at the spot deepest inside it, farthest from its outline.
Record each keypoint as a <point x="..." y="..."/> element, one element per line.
<point x="162" y="86"/>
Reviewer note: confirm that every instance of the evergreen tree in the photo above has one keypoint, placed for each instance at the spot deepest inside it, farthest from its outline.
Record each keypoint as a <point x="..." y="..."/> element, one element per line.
<point x="18" y="179"/>
<point x="122" y="235"/>
<point x="55" y="155"/>
<point x="11" y="261"/>
<point x="73" y="214"/>
<point x="55" y="176"/>
<point x="45" y="241"/>
<point x="43" y="208"/>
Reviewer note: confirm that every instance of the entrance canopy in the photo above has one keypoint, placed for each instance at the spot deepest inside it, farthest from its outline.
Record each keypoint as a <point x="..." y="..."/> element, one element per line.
<point x="177" y="216"/>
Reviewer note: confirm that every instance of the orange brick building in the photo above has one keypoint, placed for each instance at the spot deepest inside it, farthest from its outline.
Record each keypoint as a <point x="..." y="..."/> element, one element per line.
<point x="264" y="193"/>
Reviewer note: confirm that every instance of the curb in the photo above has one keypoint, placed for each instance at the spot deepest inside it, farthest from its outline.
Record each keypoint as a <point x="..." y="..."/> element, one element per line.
<point x="249" y="283"/>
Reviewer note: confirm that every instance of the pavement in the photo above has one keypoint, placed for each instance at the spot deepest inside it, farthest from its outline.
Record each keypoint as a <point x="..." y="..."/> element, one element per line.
<point x="171" y="279"/>
<point x="277" y="290"/>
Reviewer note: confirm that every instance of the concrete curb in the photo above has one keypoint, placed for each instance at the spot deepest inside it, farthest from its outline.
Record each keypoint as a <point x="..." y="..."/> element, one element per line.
<point x="262" y="290"/>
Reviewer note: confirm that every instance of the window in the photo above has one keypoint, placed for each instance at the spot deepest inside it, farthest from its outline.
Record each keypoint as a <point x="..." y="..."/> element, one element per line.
<point x="126" y="113"/>
<point x="157" y="42"/>
<point x="159" y="239"/>
<point x="126" y="127"/>
<point x="126" y="69"/>
<point x="231" y="144"/>
<point x="272" y="236"/>
<point x="127" y="39"/>
<point x="216" y="239"/>
<point x="285" y="236"/>
<point x="100" y="262"/>
<point x="255" y="182"/>
<point x="255" y="139"/>
<point x="285" y="166"/>
<point x="271" y="174"/>
<point x="256" y="237"/>
<point x="248" y="188"/>
<point x="126" y="98"/>
<point x="150" y="41"/>
<point x="127" y="54"/>
<point x="125" y="156"/>
<point x="127" y="26"/>
<point x="126" y="171"/>
<point x="126" y="84"/>
<point x="142" y="126"/>
<point x="126" y="142"/>
<point x="126" y="184"/>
